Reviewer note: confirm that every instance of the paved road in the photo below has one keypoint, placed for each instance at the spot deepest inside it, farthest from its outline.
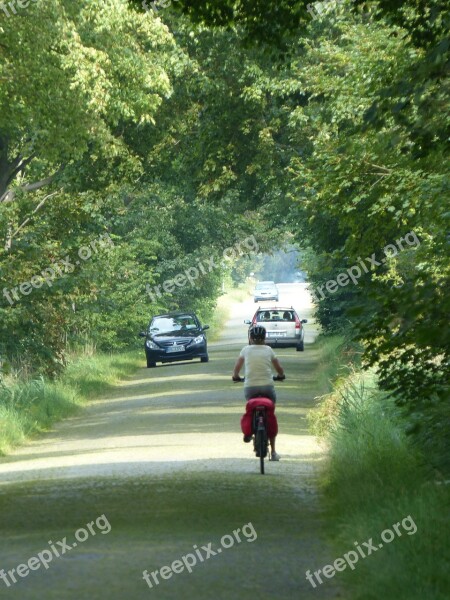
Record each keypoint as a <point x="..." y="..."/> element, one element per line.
<point x="139" y="419"/>
<point x="162" y="457"/>
<point x="291" y="294"/>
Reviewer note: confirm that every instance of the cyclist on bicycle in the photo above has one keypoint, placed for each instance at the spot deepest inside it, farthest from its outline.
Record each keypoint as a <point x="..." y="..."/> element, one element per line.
<point x="258" y="360"/>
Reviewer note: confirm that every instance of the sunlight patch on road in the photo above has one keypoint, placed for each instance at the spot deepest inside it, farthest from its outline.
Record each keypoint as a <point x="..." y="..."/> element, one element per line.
<point x="157" y="395"/>
<point x="195" y="410"/>
<point x="161" y="454"/>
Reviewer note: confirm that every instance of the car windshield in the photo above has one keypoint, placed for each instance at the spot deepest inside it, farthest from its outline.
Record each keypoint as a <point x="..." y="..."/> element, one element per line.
<point x="178" y="324"/>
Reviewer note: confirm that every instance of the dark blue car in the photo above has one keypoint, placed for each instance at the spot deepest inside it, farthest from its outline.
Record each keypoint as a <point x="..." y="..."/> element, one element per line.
<point x="173" y="337"/>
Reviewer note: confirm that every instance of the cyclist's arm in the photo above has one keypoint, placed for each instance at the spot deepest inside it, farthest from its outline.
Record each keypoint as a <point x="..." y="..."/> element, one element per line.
<point x="277" y="366"/>
<point x="238" y="366"/>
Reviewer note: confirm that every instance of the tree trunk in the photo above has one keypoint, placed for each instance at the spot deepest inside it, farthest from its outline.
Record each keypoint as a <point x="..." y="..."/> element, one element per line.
<point x="4" y="166"/>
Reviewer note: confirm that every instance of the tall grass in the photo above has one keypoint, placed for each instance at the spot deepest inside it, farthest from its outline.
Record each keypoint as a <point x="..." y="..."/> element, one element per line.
<point x="33" y="406"/>
<point x="332" y="365"/>
<point x="90" y="375"/>
<point x="336" y="359"/>
<point x="218" y="319"/>
<point x="374" y="478"/>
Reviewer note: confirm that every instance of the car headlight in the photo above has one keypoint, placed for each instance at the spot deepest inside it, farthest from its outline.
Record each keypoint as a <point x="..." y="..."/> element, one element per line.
<point x="151" y="345"/>
<point x="198" y="340"/>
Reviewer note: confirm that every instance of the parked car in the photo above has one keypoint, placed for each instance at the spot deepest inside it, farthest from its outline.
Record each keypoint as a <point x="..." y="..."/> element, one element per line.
<point x="283" y="327"/>
<point x="265" y="290"/>
<point x="175" y="336"/>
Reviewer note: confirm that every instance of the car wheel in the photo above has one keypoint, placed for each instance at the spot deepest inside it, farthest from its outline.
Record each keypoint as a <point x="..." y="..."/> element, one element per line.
<point x="204" y="358"/>
<point x="300" y="346"/>
<point x="151" y="364"/>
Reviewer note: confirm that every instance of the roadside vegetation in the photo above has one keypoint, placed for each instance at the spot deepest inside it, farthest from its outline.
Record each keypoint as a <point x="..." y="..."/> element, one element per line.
<point x="376" y="475"/>
<point x="29" y="407"/>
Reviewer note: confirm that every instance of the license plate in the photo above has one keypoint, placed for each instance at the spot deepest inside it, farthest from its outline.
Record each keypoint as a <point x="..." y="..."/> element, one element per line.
<point x="276" y="333"/>
<point x="176" y="349"/>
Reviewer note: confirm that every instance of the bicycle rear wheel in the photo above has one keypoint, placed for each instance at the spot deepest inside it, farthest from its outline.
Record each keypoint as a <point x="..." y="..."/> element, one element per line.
<point x="262" y="451"/>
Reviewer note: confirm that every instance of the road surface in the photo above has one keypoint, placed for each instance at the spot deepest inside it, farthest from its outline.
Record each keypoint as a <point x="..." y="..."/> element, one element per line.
<point x="162" y="458"/>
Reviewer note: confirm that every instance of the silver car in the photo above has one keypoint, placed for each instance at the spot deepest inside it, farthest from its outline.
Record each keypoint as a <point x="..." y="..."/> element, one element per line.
<point x="265" y="290"/>
<point x="283" y="327"/>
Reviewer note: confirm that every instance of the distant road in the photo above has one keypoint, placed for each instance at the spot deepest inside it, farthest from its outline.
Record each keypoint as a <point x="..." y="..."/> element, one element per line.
<point x="291" y="294"/>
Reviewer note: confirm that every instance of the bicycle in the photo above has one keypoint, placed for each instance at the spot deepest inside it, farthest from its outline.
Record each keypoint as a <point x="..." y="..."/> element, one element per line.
<point x="259" y="426"/>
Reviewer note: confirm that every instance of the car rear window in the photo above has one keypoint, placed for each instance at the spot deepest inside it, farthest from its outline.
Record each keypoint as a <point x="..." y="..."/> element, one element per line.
<point x="265" y="286"/>
<point x="275" y="315"/>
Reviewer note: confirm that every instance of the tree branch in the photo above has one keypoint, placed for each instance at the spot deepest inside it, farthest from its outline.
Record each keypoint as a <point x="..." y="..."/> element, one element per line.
<point x="9" y="195"/>
<point x="37" y="185"/>
<point x="41" y="203"/>
<point x="385" y="169"/>
<point x="19" y="164"/>
<point x="8" y="242"/>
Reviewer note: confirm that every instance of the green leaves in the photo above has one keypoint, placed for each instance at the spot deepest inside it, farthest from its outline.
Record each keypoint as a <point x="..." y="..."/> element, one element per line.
<point x="372" y="173"/>
<point x="70" y="78"/>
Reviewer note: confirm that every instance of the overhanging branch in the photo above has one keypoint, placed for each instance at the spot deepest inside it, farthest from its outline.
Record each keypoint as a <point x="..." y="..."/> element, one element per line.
<point x="10" y="195"/>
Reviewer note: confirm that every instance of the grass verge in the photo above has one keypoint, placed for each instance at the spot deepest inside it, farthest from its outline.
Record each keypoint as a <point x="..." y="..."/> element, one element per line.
<point x="30" y="407"/>
<point x="375" y="478"/>
<point x="222" y="311"/>
<point x="336" y="359"/>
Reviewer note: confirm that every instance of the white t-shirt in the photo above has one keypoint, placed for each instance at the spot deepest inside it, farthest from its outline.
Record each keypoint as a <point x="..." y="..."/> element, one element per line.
<point x="258" y="365"/>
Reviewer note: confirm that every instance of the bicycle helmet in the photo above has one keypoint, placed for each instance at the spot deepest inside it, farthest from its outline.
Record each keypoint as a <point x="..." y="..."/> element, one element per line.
<point x="257" y="333"/>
